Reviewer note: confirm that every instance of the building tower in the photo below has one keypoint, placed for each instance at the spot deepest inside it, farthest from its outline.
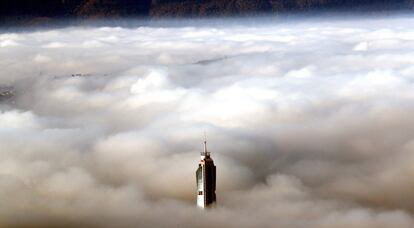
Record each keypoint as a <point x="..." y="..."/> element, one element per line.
<point x="206" y="180"/>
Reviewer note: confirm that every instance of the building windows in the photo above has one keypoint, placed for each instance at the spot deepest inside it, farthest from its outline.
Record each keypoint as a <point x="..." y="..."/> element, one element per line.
<point x="200" y="193"/>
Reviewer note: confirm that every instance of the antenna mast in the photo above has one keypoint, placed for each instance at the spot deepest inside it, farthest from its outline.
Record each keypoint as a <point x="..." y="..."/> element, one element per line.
<point x="205" y="142"/>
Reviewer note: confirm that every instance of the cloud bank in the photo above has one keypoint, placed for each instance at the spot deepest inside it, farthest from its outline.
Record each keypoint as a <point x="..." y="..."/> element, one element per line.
<point x="309" y="122"/>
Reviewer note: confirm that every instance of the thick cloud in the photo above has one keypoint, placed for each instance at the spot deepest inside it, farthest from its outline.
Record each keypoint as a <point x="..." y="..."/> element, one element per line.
<point x="309" y="122"/>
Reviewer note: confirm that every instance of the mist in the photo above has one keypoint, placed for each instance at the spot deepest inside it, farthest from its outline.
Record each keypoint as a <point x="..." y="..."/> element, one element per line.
<point x="309" y="123"/>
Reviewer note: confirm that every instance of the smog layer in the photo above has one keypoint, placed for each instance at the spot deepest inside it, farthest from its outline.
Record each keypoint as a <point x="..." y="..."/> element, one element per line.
<point x="309" y="123"/>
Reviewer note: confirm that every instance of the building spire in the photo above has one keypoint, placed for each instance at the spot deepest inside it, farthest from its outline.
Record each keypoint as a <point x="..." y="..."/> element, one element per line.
<point x="205" y="142"/>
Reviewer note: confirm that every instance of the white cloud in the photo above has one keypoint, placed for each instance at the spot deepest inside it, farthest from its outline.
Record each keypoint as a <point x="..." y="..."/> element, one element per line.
<point x="309" y="123"/>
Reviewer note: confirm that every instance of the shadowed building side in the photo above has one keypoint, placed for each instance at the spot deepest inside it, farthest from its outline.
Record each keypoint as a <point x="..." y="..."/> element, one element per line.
<point x="206" y="180"/>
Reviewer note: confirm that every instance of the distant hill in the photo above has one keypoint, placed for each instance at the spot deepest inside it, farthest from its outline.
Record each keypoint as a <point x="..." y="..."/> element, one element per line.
<point x="39" y="11"/>
<point x="112" y="8"/>
<point x="179" y="8"/>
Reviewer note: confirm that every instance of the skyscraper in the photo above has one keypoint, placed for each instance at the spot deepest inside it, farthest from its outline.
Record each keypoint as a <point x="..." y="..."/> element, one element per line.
<point x="206" y="180"/>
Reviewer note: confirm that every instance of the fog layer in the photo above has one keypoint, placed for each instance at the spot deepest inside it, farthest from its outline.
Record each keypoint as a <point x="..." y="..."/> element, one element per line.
<point x="309" y="123"/>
